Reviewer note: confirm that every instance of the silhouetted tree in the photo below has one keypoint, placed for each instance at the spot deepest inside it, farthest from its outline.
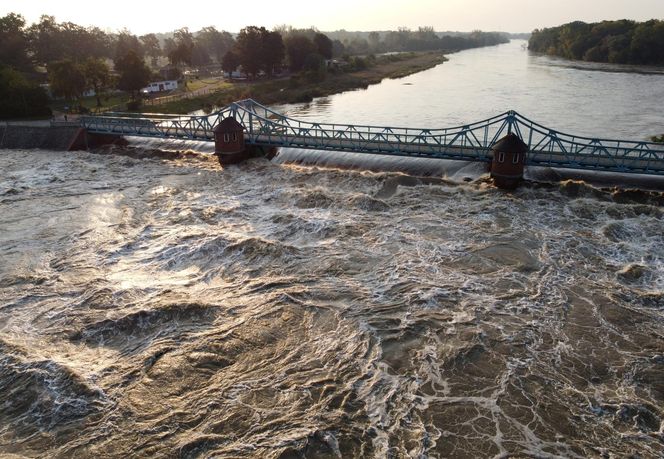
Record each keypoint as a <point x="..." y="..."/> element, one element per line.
<point x="44" y="40"/>
<point x="374" y="41"/>
<point x="20" y="98"/>
<point x="249" y="45"/>
<point x="324" y="45"/>
<point x="272" y="50"/>
<point x="230" y="62"/>
<point x="134" y="74"/>
<point x="97" y="76"/>
<point x="51" y="41"/>
<point x="14" y="42"/>
<point x="298" y="47"/>
<point x="125" y="42"/>
<point x="78" y="43"/>
<point x="358" y="46"/>
<point x="169" y="46"/>
<point x="216" y="43"/>
<point x="184" y="47"/>
<point x="338" y="48"/>
<point x="199" y="56"/>
<point x="67" y="79"/>
<point x="180" y="55"/>
<point x="152" y="47"/>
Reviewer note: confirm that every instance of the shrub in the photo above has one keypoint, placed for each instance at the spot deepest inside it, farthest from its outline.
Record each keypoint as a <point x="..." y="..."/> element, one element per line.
<point x="20" y="98"/>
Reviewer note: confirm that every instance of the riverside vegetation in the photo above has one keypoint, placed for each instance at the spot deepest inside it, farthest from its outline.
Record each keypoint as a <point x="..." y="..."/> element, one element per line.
<point x="68" y="61"/>
<point x="359" y="74"/>
<point x="617" y="42"/>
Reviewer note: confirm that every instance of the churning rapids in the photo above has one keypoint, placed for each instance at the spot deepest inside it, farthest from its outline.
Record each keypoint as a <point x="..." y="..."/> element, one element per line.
<point x="155" y="307"/>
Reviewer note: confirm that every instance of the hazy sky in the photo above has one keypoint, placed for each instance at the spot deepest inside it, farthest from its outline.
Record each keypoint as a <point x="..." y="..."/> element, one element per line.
<point x="142" y="16"/>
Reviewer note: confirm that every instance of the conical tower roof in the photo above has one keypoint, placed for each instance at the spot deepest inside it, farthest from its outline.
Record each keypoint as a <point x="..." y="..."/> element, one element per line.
<point x="229" y="125"/>
<point x="511" y="143"/>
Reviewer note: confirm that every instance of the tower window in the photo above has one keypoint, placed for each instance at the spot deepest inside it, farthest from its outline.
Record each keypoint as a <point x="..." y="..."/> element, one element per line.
<point x="501" y="157"/>
<point x="227" y="138"/>
<point x="234" y="137"/>
<point x="515" y="159"/>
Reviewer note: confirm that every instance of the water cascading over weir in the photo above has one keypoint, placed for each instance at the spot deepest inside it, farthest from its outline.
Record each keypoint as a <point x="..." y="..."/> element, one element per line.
<point x="507" y="142"/>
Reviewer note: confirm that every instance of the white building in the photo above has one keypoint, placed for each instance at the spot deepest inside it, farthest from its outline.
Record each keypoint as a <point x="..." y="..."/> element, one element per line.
<point x="159" y="86"/>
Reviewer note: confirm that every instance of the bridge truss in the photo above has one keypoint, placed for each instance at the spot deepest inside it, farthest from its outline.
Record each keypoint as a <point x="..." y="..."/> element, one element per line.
<point x="471" y="142"/>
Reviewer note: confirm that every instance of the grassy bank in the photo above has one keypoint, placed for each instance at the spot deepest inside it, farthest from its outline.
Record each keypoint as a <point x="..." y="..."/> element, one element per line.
<point x="303" y="88"/>
<point x="116" y="101"/>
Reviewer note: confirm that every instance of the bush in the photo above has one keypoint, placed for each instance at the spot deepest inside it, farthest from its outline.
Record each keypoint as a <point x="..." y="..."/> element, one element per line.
<point x="20" y="98"/>
<point x="134" y="105"/>
<point x="294" y="82"/>
<point x="357" y="63"/>
<point x="315" y="68"/>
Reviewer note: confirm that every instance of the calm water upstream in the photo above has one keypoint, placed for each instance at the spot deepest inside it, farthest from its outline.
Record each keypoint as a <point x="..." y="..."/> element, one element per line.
<point x="164" y="307"/>
<point x="597" y="100"/>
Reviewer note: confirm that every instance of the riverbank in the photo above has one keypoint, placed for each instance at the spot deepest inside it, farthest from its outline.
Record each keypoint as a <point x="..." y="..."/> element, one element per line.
<point x="302" y="88"/>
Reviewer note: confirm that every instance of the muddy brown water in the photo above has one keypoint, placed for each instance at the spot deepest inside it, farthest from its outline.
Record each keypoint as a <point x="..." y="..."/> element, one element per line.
<point x="163" y="307"/>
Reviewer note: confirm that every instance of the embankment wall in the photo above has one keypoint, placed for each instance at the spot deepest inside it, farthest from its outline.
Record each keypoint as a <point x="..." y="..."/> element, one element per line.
<point x="46" y="137"/>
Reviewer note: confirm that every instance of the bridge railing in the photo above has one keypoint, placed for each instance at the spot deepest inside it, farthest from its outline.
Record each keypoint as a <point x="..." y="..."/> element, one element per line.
<point x="548" y="147"/>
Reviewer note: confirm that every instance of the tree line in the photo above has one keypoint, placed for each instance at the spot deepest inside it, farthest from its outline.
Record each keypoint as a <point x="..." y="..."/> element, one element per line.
<point x="75" y="59"/>
<point x="620" y="42"/>
<point x="422" y="39"/>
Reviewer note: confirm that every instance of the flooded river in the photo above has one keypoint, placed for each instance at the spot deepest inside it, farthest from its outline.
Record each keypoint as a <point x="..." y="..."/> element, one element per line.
<point x="158" y="306"/>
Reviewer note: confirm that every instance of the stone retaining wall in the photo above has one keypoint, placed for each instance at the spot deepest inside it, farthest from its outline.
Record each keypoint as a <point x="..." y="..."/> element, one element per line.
<point x="63" y="138"/>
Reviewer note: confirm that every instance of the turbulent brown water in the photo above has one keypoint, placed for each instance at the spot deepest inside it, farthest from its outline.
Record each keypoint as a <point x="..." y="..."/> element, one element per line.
<point x="154" y="307"/>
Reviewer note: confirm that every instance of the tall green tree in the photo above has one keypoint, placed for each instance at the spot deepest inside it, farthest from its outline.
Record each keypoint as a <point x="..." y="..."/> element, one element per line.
<point x="52" y="41"/>
<point x="14" y="42"/>
<point x="19" y="98"/>
<point x="67" y="79"/>
<point x="78" y="43"/>
<point x="249" y="48"/>
<point x="45" y="41"/>
<point x="374" y="41"/>
<point x="134" y="74"/>
<point x="273" y="51"/>
<point x="298" y="47"/>
<point x="95" y="43"/>
<point x="259" y="49"/>
<point x="230" y="62"/>
<point x="97" y="76"/>
<point x="169" y="46"/>
<point x="215" y="43"/>
<point x="152" y="47"/>
<point x="182" y="53"/>
<point x="125" y="41"/>
<point x="323" y="45"/>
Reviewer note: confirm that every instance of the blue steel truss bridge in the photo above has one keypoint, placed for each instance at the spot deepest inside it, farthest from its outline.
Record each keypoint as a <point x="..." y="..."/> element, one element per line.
<point x="471" y="142"/>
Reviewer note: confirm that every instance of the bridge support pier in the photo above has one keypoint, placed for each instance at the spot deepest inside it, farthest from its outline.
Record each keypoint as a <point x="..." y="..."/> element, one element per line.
<point x="230" y="147"/>
<point x="229" y="143"/>
<point x="509" y="158"/>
